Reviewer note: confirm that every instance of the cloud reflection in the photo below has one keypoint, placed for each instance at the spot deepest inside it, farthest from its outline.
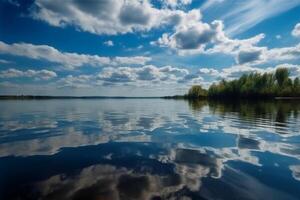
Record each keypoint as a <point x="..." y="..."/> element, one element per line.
<point x="201" y="138"/>
<point x="184" y="173"/>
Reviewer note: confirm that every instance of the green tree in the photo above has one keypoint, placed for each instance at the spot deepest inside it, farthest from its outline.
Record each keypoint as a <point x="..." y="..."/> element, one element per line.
<point x="282" y="75"/>
<point x="296" y="83"/>
<point x="196" y="91"/>
<point x="296" y="87"/>
<point x="254" y="85"/>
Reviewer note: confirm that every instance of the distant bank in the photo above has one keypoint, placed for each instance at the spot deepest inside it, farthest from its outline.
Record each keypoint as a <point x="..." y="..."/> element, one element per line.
<point x="40" y="97"/>
<point x="276" y="85"/>
<point x="255" y="86"/>
<point x="176" y="97"/>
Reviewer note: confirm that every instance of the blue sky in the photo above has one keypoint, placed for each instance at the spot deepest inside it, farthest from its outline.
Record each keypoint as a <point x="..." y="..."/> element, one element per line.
<point x="142" y="47"/>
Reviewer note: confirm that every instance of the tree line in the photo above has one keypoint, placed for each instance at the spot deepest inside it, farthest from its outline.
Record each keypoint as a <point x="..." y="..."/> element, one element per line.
<point x="253" y="85"/>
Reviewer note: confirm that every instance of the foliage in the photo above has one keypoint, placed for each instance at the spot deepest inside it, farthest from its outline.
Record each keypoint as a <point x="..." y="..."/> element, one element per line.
<point x="196" y="91"/>
<point x="257" y="85"/>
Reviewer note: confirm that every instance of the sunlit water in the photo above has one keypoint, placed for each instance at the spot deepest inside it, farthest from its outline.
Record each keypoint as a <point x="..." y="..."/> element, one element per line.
<point x="149" y="149"/>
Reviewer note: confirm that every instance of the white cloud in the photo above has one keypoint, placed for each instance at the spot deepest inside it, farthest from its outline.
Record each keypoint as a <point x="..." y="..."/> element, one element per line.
<point x="237" y="71"/>
<point x="45" y="52"/>
<point x="141" y="76"/>
<point x="81" y="81"/>
<point x="109" y="43"/>
<point x="148" y="73"/>
<point x="118" y="75"/>
<point x="176" y="3"/>
<point x="151" y="75"/>
<point x="244" y="15"/>
<point x="190" y="34"/>
<point x="285" y="53"/>
<point x="195" y="37"/>
<point x="239" y="16"/>
<point x="230" y="46"/>
<point x="135" y="60"/>
<point x="107" y="16"/>
<point x="296" y="30"/>
<point x="210" y="71"/>
<point x="36" y="74"/>
<point x="68" y="60"/>
<point x="250" y="55"/>
<point x="210" y="3"/>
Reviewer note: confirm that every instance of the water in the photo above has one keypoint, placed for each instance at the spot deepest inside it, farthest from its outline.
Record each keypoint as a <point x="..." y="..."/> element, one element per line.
<point x="149" y="149"/>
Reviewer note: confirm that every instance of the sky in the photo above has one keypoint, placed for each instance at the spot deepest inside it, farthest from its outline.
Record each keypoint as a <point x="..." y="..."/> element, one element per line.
<point x="142" y="47"/>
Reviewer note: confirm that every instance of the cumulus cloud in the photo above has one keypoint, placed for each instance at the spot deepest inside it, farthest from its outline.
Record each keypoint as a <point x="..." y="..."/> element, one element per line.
<point x="190" y="33"/>
<point x="296" y="30"/>
<point x="226" y="45"/>
<point x="258" y="55"/>
<point x="134" y="14"/>
<point x="208" y="71"/>
<point x="68" y="60"/>
<point x="285" y="53"/>
<point x="195" y="36"/>
<point x="36" y="74"/>
<point x="123" y="16"/>
<point x="118" y="75"/>
<point x="192" y="37"/>
<point x="134" y="60"/>
<point x="51" y="54"/>
<point x="80" y="81"/>
<point x="149" y="73"/>
<point x="152" y="75"/>
<point x="109" y="43"/>
<point x="107" y="16"/>
<point x="243" y="49"/>
<point x="204" y="76"/>
<point x="176" y="3"/>
<point x="248" y="56"/>
<point x="145" y="75"/>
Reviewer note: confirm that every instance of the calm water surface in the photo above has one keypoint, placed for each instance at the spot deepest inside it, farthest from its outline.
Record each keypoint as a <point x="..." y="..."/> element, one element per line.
<point x="149" y="149"/>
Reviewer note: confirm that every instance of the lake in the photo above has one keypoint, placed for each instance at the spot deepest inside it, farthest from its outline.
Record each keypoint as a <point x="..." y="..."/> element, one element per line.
<point x="149" y="149"/>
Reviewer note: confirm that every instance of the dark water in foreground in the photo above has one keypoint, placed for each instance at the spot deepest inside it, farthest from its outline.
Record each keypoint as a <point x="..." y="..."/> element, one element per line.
<point x="149" y="149"/>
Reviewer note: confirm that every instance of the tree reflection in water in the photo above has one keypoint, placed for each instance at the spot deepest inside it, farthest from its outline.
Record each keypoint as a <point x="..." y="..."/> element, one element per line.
<point x="130" y="149"/>
<point x="275" y="113"/>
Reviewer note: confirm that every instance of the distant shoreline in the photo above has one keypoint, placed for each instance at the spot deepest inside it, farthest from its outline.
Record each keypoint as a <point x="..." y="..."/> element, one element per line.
<point x="176" y="97"/>
<point x="224" y="98"/>
<point x="41" y="97"/>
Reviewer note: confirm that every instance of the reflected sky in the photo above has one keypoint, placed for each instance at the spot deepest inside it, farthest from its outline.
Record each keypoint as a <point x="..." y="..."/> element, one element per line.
<point x="149" y="149"/>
